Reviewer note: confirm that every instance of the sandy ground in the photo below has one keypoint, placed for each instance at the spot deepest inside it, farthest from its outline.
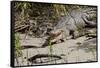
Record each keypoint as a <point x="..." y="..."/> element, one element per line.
<point x="67" y="51"/>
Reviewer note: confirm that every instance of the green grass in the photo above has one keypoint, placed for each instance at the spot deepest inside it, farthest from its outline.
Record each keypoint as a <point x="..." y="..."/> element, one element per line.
<point x="50" y="48"/>
<point x="17" y="45"/>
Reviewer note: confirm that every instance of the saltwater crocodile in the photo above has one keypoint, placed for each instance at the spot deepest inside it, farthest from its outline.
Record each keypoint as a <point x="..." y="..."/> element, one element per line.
<point x="73" y="24"/>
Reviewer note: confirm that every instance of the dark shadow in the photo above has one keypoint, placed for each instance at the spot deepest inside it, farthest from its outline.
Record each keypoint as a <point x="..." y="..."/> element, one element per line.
<point x="46" y="56"/>
<point x="29" y="46"/>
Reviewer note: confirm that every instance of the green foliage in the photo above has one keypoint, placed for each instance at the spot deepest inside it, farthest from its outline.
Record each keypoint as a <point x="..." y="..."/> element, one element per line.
<point x="50" y="48"/>
<point x="17" y="45"/>
<point x="50" y="45"/>
<point x="22" y="6"/>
